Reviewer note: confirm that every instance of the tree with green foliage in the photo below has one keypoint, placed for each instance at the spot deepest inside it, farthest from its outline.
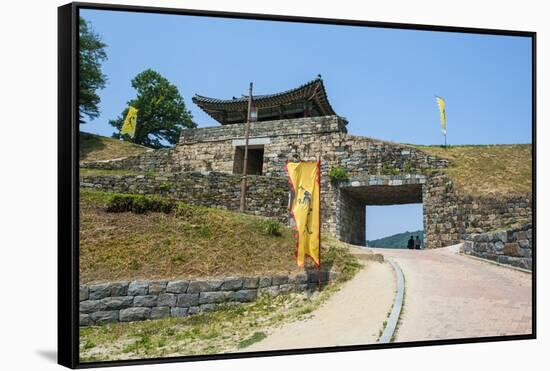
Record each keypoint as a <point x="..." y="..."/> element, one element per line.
<point x="161" y="112"/>
<point x="91" y="55"/>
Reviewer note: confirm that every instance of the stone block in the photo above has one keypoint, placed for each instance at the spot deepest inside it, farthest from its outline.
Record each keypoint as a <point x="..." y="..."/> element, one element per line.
<point x="480" y="247"/>
<point x="167" y="300"/>
<point x="501" y="236"/>
<point x="232" y="283"/>
<point x="179" y="312"/>
<point x="102" y="317"/>
<point x="187" y="300"/>
<point x="200" y="286"/>
<point x="250" y="282"/>
<point x="212" y="297"/>
<point x="83" y="292"/>
<point x="279" y="280"/>
<point x="246" y="295"/>
<point x="493" y="257"/>
<point x="521" y="235"/>
<point x="479" y="237"/>
<point x="89" y="306"/>
<point x="511" y="249"/>
<point x="177" y="287"/>
<point x="264" y="282"/>
<point x="116" y="302"/>
<point x="299" y="278"/>
<point x="160" y="312"/>
<point x="138" y="288"/>
<point x="525" y="253"/>
<point x="85" y="320"/>
<point x="524" y="244"/>
<point x="134" y="314"/>
<point x="119" y="288"/>
<point x="145" y="300"/>
<point x="157" y="287"/>
<point x="99" y="291"/>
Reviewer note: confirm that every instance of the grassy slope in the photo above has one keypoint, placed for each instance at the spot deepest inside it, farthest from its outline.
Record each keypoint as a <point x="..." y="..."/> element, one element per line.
<point x="488" y="169"/>
<point x="204" y="242"/>
<point x="200" y="242"/>
<point x="96" y="148"/>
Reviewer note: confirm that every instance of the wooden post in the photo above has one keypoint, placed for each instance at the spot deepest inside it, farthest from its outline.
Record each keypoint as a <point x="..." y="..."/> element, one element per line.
<point x="245" y="162"/>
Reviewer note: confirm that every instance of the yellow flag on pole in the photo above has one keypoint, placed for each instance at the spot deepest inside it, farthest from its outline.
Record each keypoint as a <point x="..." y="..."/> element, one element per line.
<point x="441" y="104"/>
<point x="305" y="207"/>
<point x="129" y="126"/>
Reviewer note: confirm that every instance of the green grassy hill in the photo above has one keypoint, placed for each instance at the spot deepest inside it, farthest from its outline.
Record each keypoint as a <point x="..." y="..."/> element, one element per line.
<point x="97" y="148"/>
<point x="396" y="241"/>
<point x="488" y="170"/>
<point x="185" y="241"/>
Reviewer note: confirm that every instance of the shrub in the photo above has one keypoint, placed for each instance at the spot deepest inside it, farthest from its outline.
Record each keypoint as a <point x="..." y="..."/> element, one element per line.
<point x="407" y="167"/>
<point x="338" y="173"/>
<point x="119" y="203"/>
<point x="389" y="170"/>
<point x="271" y="227"/>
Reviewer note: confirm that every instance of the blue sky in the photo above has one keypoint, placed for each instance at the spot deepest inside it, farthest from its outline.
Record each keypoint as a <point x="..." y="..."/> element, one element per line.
<point x="384" y="221"/>
<point x="382" y="80"/>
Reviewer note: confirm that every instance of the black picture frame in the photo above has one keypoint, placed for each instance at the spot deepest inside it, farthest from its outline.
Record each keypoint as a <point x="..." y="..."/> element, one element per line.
<point x="68" y="181"/>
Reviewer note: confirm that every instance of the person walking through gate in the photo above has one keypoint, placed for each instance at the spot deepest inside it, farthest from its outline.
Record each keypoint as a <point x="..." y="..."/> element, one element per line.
<point x="410" y="243"/>
<point x="417" y="243"/>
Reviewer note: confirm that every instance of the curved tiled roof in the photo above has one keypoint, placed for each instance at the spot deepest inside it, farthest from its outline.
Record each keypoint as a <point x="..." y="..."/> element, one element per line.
<point x="313" y="91"/>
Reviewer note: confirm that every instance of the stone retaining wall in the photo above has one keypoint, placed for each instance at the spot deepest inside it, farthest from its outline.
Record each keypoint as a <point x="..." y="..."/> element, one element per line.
<point x="450" y="216"/>
<point x="266" y="196"/>
<point x="512" y="246"/>
<point x="142" y="300"/>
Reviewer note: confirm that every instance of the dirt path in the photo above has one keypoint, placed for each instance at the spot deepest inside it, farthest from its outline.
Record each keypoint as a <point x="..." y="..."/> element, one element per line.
<point x="449" y="296"/>
<point x="354" y="315"/>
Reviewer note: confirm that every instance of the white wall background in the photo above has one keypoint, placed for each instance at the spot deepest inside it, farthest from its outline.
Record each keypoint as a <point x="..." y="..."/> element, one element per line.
<point x="28" y="151"/>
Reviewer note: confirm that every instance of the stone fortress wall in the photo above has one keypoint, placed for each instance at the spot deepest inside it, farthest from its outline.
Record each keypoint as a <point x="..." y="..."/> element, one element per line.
<point x="512" y="246"/>
<point x="380" y="173"/>
<point x="266" y="196"/>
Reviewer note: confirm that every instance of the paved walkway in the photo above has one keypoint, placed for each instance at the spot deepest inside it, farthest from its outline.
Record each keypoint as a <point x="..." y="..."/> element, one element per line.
<point x="354" y="315"/>
<point x="449" y="296"/>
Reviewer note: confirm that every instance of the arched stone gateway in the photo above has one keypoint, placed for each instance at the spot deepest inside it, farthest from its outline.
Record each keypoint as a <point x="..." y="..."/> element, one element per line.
<point x="358" y="192"/>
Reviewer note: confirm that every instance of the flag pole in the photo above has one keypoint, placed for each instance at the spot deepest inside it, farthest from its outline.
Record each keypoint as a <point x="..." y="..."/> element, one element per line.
<point x="319" y="179"/>
<point x="245" y="162"/>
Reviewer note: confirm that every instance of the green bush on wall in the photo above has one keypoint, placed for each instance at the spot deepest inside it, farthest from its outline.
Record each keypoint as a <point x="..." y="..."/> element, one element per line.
<point x="271" y="227"/>
<point x="338" y="173"/>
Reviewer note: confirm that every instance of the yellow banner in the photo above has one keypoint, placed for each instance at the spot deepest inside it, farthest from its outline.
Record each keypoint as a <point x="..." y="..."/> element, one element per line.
<point x="305" y="179"/>
<point x="129" y="126"/>
<point x="441" y="104"/>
